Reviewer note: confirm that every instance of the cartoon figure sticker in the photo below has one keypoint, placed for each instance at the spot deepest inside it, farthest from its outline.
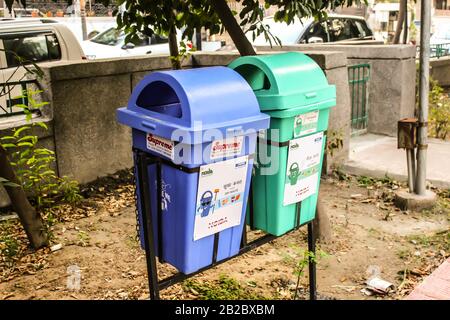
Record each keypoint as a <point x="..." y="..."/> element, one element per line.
<point x="220" y="194"/>
<point x="294" y="173"/>
<point x="303" y="168"/>
<point x="205" y="204"/>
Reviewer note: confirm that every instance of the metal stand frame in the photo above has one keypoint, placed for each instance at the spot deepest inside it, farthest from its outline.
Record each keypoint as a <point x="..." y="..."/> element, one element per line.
<point x="143" y="160"/>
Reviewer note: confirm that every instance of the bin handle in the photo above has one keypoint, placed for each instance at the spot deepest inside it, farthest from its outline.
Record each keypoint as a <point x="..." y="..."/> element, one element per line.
<point x="149" y="125"/>
<point x="310" y="95"/>
<point x="235" y="130"/>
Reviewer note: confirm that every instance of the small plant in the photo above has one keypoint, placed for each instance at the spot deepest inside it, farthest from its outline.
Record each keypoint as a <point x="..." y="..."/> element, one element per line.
<point x="335" y="141"/>
<point x="69" y="190"/>
<point x="300" y="259"/>
<point x="9" y="246"/>
<point x="225" y="289"/>
<point x="34" y="165"/>
<point x="304" y="261"/>
<point x="439" y="105"/>
<point x="83" y="239"/>
<point x="185" y="51"/>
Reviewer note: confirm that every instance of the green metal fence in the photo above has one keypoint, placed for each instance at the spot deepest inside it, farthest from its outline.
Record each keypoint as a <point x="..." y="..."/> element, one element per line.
<point x="358" y="76"/>
<point x="437" y="50"/>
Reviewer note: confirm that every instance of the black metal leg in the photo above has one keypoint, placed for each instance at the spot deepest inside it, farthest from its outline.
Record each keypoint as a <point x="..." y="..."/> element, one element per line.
<point x="244" y="236"/>
<point x="250" y="203"/>
<point x="312" y="263"/>
<point x="159" y="210"/>
<point x="147" y="225"/>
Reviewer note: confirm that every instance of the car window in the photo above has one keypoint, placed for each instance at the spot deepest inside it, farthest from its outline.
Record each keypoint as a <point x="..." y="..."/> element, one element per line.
<point x="342" y="29"/>
<point x="110" y="37"/>
<point x="113" y="37"/>
<point x="286" y="33"/>
<point x="363" y="29"/>
<point x="317" y="30"/>
<point x="35" y="48"/>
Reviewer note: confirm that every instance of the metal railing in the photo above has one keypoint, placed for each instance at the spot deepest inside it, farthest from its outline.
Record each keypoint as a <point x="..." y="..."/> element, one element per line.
<point x="358" y="76"/>
<point x="13" y="94"/>
<point x="436" y="50"/>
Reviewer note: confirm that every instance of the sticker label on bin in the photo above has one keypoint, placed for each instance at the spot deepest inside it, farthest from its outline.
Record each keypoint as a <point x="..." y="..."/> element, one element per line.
<point x="220" y="196"/>
<point x="303" y="168"/>
<point x="226" y="148"/>
<point x="161" y="145"/>
<point x="306" y="123"/>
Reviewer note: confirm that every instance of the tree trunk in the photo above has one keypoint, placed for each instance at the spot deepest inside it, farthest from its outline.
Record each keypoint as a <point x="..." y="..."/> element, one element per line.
<point x="173" y="49"/>
<point x="322" y="225"/>
<point x="401" y="18"/>
<point x="198" y="39"/>
<point x="241" y="42"/>
<point x="30" y="219"/>
<point x="405" y="24"/>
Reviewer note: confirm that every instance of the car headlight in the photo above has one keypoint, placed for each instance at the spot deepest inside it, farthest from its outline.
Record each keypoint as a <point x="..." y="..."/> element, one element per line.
<point x="90" y="56"/>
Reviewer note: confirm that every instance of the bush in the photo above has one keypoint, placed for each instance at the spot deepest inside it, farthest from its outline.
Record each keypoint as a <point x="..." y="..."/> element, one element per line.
<point x="439" y="118"/>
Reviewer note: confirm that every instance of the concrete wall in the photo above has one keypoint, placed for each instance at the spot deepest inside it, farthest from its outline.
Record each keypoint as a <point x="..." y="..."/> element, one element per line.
<point x="392" y="81"/>
<point x="84" y="96"/>
<point x="440" y="71"/>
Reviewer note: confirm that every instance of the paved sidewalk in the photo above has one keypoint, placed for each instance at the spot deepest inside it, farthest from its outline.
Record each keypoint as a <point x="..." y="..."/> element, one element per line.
<point x="435" y="287"/>
<point x="376" y="155"/>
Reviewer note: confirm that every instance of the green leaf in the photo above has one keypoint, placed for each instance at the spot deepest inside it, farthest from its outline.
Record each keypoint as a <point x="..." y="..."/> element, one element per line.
<point x="8" y="145"/>
<point x="8" y="183"/>
<point x="17" y="132"/>
<point x="42" y="125"/>
<point x="25" y="144"/>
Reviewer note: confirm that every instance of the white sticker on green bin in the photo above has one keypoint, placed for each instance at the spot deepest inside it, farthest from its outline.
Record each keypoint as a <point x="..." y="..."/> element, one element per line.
<point x="220" y="196"/>
<point x="303" y="168"/>
<point x="161" y="145"/>
<point x="306" y="123"/>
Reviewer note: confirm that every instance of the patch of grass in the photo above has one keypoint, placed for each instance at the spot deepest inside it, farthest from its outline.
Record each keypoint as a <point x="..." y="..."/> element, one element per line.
<point x="341" y="175"/>
<point x="444" y="193"/>
<point x="374" y="232"/>
<point x="225" y="288"/>
<point x="365" y="181"/>
<point x="83" y="238"/>
<point x="404" y="254"/>
<point x="439" y="241"/>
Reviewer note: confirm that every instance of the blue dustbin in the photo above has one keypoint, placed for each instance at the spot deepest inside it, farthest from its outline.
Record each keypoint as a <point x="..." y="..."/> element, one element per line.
<point x="203" y="124"/>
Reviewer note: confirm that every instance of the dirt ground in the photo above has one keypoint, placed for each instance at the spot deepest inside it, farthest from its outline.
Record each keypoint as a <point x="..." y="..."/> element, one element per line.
<point x="99" y="239"/>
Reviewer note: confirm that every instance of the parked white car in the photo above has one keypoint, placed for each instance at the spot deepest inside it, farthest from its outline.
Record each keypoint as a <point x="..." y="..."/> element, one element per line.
<point x="111" y="44"/>
<point x="337" y="28"/>
<point x="36" y="40"/>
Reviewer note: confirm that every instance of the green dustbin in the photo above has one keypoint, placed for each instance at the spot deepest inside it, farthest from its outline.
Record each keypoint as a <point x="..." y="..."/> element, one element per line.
<point x="294" y="91"/>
